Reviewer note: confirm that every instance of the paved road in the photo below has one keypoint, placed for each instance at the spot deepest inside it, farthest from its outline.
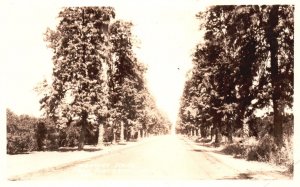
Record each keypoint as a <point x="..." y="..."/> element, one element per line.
<point x="165" y="157"/>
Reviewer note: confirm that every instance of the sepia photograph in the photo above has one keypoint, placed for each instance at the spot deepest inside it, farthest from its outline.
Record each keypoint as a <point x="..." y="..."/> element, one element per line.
<point x="131" y="90"/>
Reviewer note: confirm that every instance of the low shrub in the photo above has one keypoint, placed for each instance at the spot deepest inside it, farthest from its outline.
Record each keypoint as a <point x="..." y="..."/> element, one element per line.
<point x="20" y="143"/>
<point x="236" y="149"/>
<point x="21" y="135"/>
<point x="263" y="150"/>
<point x="108" y="135"/>
<point x="51" y="141"/>
<point x="26" y="133"/>
<point x="284" y="155"/>
<point x="69" y="137"/>
<point x="267" y="151"/>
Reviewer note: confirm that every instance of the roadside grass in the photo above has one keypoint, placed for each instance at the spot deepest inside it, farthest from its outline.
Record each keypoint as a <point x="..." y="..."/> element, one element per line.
<point x="263" y="150"/>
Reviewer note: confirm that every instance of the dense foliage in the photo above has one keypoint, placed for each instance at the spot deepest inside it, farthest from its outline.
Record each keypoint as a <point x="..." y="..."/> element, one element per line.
<point x="26" y="133"/>
<point x="244" y="67"/>
<point x="79" y="45"/>
<point x="97" y="92"/>
<point x="97" y="80"/>
<point x="125" y="80"/>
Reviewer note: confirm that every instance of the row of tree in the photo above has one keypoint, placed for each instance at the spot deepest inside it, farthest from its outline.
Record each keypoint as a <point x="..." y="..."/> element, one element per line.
<point x="98" y="83"/>
<point x="244" y="67"/>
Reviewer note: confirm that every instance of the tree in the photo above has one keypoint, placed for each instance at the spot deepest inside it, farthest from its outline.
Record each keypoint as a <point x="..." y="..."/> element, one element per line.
<point x="237" y="69"/>
<point x="153" y="120"/>
<point x="280" y="22"/>
<point x="79" y="44"/>
<point x="125" y="78"/>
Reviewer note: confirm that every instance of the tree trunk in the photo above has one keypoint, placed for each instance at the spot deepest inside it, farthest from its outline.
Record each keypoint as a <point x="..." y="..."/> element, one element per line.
<point x="217" y="140"/>
<point x="83" y="122"/>
<point x="138" y="134"/>
<point x="100" y="136"/>
<point x="82" y="136"/>
<point x="122" y="132"/>
<point x="273" y="43"/>
<point x="128" y="135"/>
<point x="229" y="133"/>
<point x="114" y="135"/>
<point x="240" y="118"/>
<point x="142" y="133"/>
<point x="84" y="114"/>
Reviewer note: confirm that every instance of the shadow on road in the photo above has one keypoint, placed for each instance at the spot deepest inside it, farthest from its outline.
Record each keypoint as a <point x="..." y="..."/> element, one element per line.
<point x="203" y="140"/>
<point x="210" y="151"/>
<point x="71" y="149"/>
<point x="260" y="174"/>
<point x="239" y="176"/>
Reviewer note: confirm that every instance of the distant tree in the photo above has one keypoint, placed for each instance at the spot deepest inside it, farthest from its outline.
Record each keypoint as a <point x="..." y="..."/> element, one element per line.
<point x="153" y="120"/>
<point x="126" y="78"/>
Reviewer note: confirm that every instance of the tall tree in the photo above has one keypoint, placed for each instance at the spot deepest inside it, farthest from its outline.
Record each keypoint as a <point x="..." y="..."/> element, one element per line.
<point x="79" y="46"/>
<point x="280" y="21"/>
<point x="238" y="63"/>
<point x="126" y="77"/>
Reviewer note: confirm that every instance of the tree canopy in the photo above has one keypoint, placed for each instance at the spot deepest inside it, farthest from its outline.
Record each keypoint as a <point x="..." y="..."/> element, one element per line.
<point x="244" y="65"/>
<point x="96" y="77"/>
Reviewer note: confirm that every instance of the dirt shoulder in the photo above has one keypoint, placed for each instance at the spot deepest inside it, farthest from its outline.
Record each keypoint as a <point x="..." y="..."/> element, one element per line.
<point x="241" y="168"/>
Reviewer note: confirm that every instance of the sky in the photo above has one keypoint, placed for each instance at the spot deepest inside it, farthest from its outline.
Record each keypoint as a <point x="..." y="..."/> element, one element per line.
<point x="167" y="35"/>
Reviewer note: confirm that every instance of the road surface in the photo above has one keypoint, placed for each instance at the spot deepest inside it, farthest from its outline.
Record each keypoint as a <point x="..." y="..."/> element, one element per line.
<point x="164" y="157"/>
